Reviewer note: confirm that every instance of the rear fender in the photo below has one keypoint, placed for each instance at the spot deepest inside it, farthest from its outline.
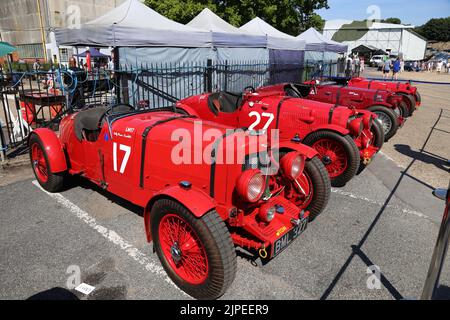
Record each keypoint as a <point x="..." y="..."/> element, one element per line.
<point x="302" y="148"/>
<point x="53" y="148"/>
<point x="332" y="127"/>
<point x="195" y="200"/>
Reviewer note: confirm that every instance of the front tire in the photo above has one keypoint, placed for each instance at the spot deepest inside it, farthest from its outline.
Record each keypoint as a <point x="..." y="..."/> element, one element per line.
<point x="378" y="134"/>
<point x="197" y="253"/>
<point x="339" y="154"/>
<point x="51" y="182"/>
<point x="320" y="187"/>
<point x="388" y="119"/>
<point x="410" y="101"/>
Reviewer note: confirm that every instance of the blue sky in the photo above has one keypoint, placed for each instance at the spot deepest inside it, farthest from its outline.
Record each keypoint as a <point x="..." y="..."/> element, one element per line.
<point x="415" y="12"/>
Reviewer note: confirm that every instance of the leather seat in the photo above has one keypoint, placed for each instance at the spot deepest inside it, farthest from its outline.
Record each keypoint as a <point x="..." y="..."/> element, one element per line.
<point x="224" y="102"/>
<point x="88" y="120"/>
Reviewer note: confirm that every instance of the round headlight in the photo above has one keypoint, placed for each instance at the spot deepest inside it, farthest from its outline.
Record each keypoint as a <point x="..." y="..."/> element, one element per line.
<point x="293" y="164"/>
<point x="250" y="185"/>
<point x="267" y="213"/>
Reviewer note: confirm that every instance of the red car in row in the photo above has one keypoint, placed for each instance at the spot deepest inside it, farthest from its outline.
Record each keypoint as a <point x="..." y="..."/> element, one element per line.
<point x="194" y="212"/>
<point x="390" y="109"/>
<point x="344" y="138"/>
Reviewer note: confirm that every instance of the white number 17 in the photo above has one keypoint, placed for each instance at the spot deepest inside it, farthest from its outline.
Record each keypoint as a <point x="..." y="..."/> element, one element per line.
<point x="127" y="150"/>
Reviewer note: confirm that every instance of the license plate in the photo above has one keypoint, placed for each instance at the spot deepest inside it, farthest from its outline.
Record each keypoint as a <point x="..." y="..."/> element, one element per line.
<point x="284" y="241"/>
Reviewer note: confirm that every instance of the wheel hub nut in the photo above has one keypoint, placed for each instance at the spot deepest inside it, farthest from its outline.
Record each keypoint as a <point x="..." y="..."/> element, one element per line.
<point x="326" y="160"/>
<point x="175" y="252"/>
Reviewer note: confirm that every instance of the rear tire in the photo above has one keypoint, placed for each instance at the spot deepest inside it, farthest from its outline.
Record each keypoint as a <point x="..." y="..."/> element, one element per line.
<point x="418" y="98"/>
<point x="321" y="184"/>
<point x="209" y="271"/>
<point x="404" y="110"/>
<point x="388" y="119"/>
<point x="345" y="165"/>
<point x="51" y="182"/>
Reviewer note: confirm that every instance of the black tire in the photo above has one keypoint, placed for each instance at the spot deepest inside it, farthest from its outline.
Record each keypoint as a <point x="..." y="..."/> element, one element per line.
<point x="378" y="141"/>
<point x="410" y="102"/>
<point x="404" y="110"/>
<point x="350" y="149"/>
<point x="321" y="184"/>
<point x="389" y="117"/>
<point x="216" y="240"/>
<point x="55" y="181"/>
<point x="418" y="97"/>
<point x="378" y="132"/>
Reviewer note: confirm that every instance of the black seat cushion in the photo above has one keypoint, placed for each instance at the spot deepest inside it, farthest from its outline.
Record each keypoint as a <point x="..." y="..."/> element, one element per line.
<point x="298" y="90"/>
<point x="224" y="102"/>
<point x="88" y="120"/>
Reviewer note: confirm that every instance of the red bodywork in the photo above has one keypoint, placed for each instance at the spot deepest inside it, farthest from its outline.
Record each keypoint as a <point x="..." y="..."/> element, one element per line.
<point x="395" y="87"/>
<point x="131" y="156"/>
<point x="353" y="97"/>
<point x="295" y="118"/>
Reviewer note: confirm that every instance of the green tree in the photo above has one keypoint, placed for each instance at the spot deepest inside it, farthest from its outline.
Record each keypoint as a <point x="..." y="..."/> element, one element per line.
<point x="392" y="20"/>
<point x="436" y="29"/>
<point x="290" y="16"/>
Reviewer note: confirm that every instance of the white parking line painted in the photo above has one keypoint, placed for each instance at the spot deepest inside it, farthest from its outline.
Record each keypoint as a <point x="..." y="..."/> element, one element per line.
<point x="112" y="236"/>
<point x="404" y="210"/>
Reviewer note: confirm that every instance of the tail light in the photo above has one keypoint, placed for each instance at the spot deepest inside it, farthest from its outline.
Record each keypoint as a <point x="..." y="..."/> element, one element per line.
<point x="356" y="126"/>
<point x="293" y="164"/>
<point x="250" y="185"/>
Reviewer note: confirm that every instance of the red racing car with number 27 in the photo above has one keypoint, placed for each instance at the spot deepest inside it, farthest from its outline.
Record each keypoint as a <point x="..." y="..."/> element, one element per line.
<point x="344" y="138"/>
<point x="194" y="212"/>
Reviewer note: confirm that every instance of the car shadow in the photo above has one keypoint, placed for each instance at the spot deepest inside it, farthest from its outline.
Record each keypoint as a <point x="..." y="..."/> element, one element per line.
<point x="424" y="157"/>
<point x="56" y="293"/>
<point x="77" y="181"/>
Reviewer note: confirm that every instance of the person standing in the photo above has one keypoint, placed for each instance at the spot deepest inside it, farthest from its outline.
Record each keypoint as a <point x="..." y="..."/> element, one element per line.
<point x="402" y="65"/>
<point x="396" y="68"/>
<point x="361" y="64"/>
<point x="386" y="68"/>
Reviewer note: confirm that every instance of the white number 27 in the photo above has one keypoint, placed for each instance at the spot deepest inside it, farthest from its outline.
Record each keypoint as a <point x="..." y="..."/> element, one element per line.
<point x="127" y="150"/>
<point x="256" y="114"/>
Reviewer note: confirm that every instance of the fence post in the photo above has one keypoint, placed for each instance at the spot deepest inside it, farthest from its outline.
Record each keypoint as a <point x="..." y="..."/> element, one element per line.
<point x="2" y="143"/>
<point x="226" y="76"/>
<point x="208" y="76"/>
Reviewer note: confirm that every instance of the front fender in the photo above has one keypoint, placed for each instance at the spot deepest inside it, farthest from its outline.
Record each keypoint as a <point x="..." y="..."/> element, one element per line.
<point x="195" y="200"/>
<point x="300" y="147"/>
<point x="332" y="127"/>
<point x="53" y="148"/>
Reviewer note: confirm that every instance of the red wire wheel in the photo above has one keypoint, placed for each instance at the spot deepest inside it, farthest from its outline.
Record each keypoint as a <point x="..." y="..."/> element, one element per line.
<point x="39" y="163"/>
<point x="333" y="156"/>
<point x="338" y="153"/>
<point x="183" y="249"/>
<point x="197" y="253"/>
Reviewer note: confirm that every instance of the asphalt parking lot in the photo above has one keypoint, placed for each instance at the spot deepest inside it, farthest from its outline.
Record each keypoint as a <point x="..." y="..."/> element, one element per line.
<point x="386" y="217"/>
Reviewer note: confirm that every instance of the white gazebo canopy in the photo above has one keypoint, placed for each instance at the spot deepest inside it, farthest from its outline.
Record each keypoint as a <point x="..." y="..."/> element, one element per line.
<point x="223" y="33"/>
<point x="275" y="38"/>
<point x="133" y="24"/>
<point x="315" y="41"/>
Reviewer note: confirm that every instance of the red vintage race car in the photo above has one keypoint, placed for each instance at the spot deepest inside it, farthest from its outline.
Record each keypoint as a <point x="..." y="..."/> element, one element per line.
<point x="343" y="137"/>
<point x="411" y="94"/>
<point x="196" y="205"/>
<point x="390" y="109"/>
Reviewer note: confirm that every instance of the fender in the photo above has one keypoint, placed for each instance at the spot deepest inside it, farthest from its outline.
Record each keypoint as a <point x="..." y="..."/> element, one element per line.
<point x="380" y="103"/>
<point x="300" y="147"/>
<point x="194" y="199"/>
<point x="332" y="127"/>
<point x="53" y="148"/>
<point x="188" y="109"/>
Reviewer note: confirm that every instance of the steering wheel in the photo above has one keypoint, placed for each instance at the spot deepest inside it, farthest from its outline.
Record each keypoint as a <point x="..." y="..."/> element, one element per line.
<point x="249" y="89"/>
<point x="122" y="107"/>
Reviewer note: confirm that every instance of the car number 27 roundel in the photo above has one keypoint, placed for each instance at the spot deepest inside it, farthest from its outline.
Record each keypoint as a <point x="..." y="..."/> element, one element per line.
<point x="268" y="118"/>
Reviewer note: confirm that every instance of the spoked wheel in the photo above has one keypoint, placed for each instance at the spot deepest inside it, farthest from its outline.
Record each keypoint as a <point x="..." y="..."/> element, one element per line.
<point x="52" y="182"/>
<point x="339" y="154"/>
<point x="388" y="120"/>
<point x="197" y="253"/>
<point x="313" y="188"/>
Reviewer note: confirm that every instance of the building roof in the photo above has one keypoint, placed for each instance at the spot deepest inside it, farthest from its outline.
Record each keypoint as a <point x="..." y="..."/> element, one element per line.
<point x="6" y="48"/>
<point x="353" y="24"/>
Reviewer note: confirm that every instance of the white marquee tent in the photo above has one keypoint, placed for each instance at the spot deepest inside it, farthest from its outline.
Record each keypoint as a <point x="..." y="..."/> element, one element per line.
<point x="315" y="41"/>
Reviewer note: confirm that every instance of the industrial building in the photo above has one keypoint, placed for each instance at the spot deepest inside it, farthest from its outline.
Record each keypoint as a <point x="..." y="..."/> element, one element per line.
<point x="29" y="24"/>
<point x="397" y="39"/>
